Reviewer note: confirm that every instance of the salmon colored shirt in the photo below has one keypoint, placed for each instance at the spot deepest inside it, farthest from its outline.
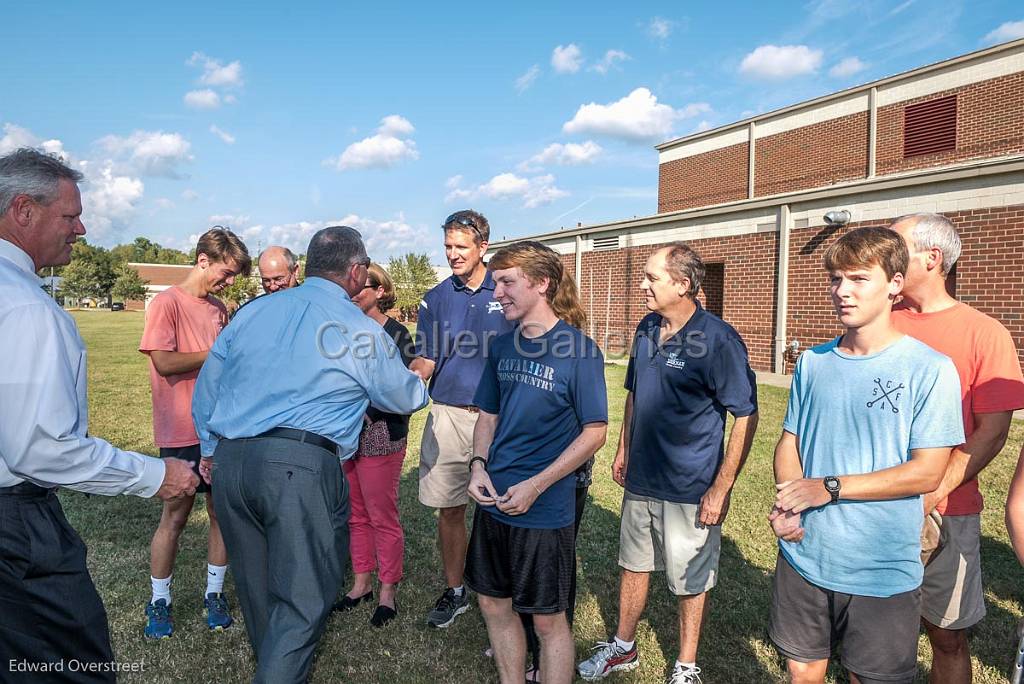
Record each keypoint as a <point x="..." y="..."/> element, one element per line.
<point x="990" y="374"/>
<point x="177" y="321"/>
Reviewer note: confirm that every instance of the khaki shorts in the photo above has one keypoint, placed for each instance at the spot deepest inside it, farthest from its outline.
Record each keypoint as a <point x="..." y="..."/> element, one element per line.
<point x="445" y="452"/>
<point x="662" y="535"/>
<point x="951" y="593"/>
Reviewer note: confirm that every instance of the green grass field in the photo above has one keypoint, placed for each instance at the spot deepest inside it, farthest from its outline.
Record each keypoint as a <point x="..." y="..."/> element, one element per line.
<point x="734" y="645"/>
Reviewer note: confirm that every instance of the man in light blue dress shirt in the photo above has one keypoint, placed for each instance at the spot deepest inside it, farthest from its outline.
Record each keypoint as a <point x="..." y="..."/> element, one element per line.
<point x="280" y="398"/>
<point x="50" y="614"/>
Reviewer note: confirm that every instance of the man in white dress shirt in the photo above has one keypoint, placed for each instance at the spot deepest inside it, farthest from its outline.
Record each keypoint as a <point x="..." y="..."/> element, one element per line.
<point x="53" y="619"/>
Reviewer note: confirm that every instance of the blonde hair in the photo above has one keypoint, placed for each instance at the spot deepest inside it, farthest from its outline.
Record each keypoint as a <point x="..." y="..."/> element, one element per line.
<point x="538" y="261"/>
<point x="379" y="278"/>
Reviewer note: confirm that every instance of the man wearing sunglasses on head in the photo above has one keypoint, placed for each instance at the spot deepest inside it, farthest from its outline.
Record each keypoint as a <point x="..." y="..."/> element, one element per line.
<point x="458" y="319"/>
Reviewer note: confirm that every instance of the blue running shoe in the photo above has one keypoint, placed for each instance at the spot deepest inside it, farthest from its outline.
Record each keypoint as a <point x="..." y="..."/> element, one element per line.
<point x="160" y="625"/>
<point x="217" y="616"/>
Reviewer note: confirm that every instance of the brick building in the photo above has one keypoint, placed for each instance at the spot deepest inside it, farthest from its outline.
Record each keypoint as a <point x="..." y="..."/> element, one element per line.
<point x="750" y="197"/>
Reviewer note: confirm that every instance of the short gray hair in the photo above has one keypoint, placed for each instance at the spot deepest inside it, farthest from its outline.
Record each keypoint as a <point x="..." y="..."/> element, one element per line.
<point x="333" y="250"/>
<point x="36" y="174"/>
<point x="935" y="231"/>
<point x="289" y="257"/>
<point x="682" y="262"/>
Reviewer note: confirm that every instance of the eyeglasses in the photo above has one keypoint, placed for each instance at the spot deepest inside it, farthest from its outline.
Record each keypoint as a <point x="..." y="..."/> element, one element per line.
<point x="465" y="222"/>
<point x="371" y="286"/>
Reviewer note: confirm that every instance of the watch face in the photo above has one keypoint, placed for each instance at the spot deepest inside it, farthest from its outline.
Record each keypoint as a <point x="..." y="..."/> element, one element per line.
<point x="832" y="484"/>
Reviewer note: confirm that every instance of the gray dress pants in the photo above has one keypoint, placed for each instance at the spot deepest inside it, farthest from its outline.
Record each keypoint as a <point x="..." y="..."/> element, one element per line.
<point x="283" y="510"/>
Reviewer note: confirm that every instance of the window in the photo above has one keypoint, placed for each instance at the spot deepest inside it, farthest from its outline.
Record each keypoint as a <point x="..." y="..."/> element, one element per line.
<point x="929" y="127"/>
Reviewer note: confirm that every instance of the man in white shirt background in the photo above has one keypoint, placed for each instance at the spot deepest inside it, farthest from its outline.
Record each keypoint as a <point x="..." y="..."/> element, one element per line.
<point x="51" y="612"/>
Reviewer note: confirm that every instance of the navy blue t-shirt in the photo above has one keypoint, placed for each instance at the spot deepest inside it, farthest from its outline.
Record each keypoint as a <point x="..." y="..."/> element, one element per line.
<point x="681" y="392"/>
<point x="544" y="390"/>
<point x="455" y="328"/>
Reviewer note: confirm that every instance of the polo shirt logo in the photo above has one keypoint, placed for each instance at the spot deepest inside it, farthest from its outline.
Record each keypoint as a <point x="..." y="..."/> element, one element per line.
<point x="673" y="361"/>
<point x="493" y="306"/>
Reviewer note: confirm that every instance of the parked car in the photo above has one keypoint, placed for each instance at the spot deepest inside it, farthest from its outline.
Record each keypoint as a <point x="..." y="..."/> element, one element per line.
<point x="117" y="306"/>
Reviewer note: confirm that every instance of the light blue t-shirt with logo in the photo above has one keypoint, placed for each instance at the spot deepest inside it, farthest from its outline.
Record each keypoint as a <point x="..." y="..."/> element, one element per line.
<point x="861" y="414"/>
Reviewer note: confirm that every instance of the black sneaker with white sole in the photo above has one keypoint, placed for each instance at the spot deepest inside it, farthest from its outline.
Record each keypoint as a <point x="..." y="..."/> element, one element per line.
<point x="448" y="607"/>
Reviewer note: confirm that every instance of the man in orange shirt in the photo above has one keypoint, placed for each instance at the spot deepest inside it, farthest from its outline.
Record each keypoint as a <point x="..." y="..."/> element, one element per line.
<point x="182" y="323"/>
<point x="992" y="388"/>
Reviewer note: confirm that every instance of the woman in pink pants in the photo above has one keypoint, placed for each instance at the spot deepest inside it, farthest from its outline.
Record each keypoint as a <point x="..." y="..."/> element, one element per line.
<point x="377" y="541"/>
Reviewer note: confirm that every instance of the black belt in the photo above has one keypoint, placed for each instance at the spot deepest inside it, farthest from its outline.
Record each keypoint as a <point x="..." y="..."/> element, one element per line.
<point x="26" y="489"/>
<point x="303" y="436"/>
<point x="464" y="407"/>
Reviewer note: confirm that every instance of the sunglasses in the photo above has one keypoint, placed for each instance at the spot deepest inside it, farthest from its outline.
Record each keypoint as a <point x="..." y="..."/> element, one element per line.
<point x="465" y="222"/>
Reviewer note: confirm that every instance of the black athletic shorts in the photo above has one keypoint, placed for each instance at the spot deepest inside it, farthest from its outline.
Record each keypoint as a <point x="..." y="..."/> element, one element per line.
<point x="190" y="454"/>
<point x="533" y="567"/>
<point x="877" y="637"/>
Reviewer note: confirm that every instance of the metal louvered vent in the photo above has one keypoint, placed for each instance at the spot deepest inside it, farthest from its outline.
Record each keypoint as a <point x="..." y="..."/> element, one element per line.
<point x="604" y="244"/>
<point x="929" y="127"/>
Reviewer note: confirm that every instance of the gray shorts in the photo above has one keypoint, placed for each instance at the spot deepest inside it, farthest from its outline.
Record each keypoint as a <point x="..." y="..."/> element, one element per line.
<point x="877" y="637"/>
<point x="663" y="535"/>
<point x="952" y="596"/>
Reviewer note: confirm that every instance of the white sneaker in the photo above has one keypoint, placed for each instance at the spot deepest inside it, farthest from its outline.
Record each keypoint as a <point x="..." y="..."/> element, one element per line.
<point x="607" y="659"/>
<point x="684" y="675"/>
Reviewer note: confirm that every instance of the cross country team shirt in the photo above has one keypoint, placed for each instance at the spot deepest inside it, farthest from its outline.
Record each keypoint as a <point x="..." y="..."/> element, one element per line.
<point x="860" y="414"/>
<point x="544" y="390"/>
<point x="177" y="321"/>
<point x="990" y="376"/>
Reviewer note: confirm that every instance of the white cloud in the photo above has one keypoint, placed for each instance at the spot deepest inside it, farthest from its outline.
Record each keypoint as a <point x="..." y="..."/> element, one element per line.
<point x="216" y="73"/>
<point x="638" y="117"/>
<point x="610" y="59"/>
<point x="453" y="182"/>
<point x="524" y="82"/>
<point x="569" y="154"/>
<point x="847" y="67"/>
<point x="152" y="153"/>
<point x="109" y="201"/>
<point x="1010" y="30"/>
<point x="775" y="62"/>
<point x="163" y="203"/>
<point x="660" y="29"/>
<point x="533" y="192"/>
<point x="383" y="238"/>
<point x="232" y="221"/>
<point x="704" y="125"/>
<point x="16" y="137"/>
<point x="387" y="148"/>
<point x="223" y="135"/>
<point x="202" y="99"/>
<point x="567" y="59"/>
<point x="189" y="195"/>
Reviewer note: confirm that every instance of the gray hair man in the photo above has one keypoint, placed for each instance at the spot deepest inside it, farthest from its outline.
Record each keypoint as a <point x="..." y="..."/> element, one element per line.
<point x="279" y="269"/>
<point x="281" y="496"/>
<point x="991" y="388"/>
<point x="53" y="613"/>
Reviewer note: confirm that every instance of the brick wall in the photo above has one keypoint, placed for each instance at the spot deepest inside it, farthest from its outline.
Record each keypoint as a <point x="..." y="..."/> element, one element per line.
<point x="990" y="123"/>
<point x="703" y="179"/>
<point x="812" y="156"/>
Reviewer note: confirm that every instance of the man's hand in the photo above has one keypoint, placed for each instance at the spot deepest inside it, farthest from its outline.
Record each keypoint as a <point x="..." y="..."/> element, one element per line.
<point x="179" y="480"/>
<point x="206" y="469"/>
<point x="619" y="468"/>
<point x="714" y="505"/>
<point x="930" y="502"/>
<point x="797" y="496"/>
<point x="786" y="525"/>
<point x="481" y="489"/>
<point x="518" y="498"/>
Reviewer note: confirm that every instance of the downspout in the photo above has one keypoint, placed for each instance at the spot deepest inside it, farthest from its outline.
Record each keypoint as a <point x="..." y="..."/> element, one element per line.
<point x="782" y="293"/>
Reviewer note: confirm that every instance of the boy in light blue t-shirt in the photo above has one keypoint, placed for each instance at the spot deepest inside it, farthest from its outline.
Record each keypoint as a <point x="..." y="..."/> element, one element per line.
<point x="872" y="418"/>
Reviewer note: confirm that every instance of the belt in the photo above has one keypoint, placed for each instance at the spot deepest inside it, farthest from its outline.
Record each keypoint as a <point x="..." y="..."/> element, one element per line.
<point x="471" y="409"/>
<point x="303" y="436"/>
<point x="26" y="489"/>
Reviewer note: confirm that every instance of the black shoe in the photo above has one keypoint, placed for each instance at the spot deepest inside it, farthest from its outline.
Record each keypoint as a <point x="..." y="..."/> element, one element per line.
<point x="383" y="615"/>
<point x="347" y="603"/>
<point x="448" y="607"/>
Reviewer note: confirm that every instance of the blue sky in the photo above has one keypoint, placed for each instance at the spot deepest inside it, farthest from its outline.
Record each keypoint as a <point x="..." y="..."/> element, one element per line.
<point x="278" y="121"/>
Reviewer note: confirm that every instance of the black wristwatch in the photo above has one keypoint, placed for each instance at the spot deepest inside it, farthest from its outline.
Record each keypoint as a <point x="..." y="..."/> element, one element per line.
<point x="475" y="459"/>
<point x="832" y="486"/>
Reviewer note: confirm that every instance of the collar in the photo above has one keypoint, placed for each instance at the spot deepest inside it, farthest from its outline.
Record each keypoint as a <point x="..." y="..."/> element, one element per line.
<point x="486" y="284"/>
<point x="656" y="323"/>
<point x="17" y="256"/>
<point x="328" y="286"/>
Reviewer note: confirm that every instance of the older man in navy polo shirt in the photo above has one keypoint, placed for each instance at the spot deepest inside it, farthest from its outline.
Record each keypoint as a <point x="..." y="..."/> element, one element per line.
<point x="686" y="370"/>
<point x="458" y="319"/>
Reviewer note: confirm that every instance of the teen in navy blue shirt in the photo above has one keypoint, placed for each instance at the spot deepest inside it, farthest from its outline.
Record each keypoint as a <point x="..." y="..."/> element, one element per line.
<point x="543" y="414"/>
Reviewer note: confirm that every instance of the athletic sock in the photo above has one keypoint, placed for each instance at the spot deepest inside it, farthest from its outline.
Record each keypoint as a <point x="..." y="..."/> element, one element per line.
<point x="161" y="589"/>
<point x="215" y="578"/>
<point x="459" y="591"/>
<point x="686" y="666"/>
<point x="626" y="646"/>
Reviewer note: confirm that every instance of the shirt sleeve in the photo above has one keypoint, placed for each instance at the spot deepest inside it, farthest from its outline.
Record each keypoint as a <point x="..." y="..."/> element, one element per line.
<point x="161" y="324"/>
<point x="488" y="391"/>
<point x="44" y="433"/>
<point x="630" y="383"/>
<point x="732" y="379"/>
<point x="938" y="415"/>
<point x="590" y="397"/>
<point x="426" y="332"/>
<point x="204" y="396"/>
<point x="998" y="385"/>
<point x="391" y="386"/>
<point x="791" y="423"/>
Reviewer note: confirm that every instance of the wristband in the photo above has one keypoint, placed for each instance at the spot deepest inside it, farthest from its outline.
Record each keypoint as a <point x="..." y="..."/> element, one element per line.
<point x="475" y="459"/>
<point x="536" y="487"/>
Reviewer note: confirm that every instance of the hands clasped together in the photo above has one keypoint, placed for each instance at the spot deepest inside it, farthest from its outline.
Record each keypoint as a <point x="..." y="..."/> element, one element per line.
<point x="794" y="497"/>
<point x="517" y="499"/>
